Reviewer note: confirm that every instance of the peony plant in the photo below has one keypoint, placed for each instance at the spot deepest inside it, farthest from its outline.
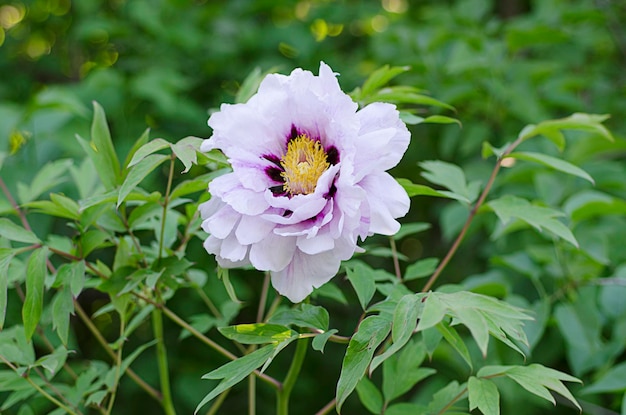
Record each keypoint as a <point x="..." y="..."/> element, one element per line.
<point x="298" y="181"/>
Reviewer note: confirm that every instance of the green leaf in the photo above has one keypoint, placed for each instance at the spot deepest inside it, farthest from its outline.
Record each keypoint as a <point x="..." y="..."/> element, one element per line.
<point x="413" y="189"/>
<point x="54" y="361"/>
<point x="404" y="322"/>
<point x="581" y="122"/>
<point x="234" y="372"/>
<point x="452" y="337"/>
<point x="222" y="274"/>
<point x="101" y="150"/>
<point x="143" y="139"/>
<point x="148" y="148"/>
<point x="441" y="119"/>
<point x="320" y="340"/>
<point x="614" y="380"/>
<point x="362" y="279"/>
<point x="62" y="307"/>
<point x="553" y="162"/>
<point x="411" y="228"/>
<point x="402" y="370"/>
<point x="371" y="333"/>
<point x="452" y="392"/>
<point x="420" y="269"/>
<point x="186" y="151"/>
<point x="304" y="315"/>
<point x="370" y="396"/>
<point x="536" y="379"/>
<point x="49" y="176"/>
<point x="16" y="233"/>
<point x="405" y="408"/>
<point x="33" y="303"/>
<point x="380" y="77"/>
<point x="6" y="255"/>
<point x="481" y="314"/>
<point x="402" y="95"/>
<point x="451" y="177"/>
<point x="484" y="395"/>
<point x="509" y="207"/>
<point x="258" y="333"/>
<point x="138" y="173"/>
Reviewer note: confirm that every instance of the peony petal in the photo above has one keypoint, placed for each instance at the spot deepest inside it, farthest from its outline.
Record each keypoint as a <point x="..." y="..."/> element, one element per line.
<point x="221" y="223"/>
<point x="316" y="244"/>
<point x="304" y="274"/>
<point x="272" y="253"/>
<point x="252" y="229"/>
<point x="387" y="201"/>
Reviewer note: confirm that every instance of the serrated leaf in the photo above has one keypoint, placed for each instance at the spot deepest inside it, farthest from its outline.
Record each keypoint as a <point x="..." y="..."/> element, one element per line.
<point x="536" y="379"/>
<point x="553" y="162"/>
<point x="147" y="149"/>
<point x="33" y="303"/>
<point x="362" y="279"/>
<point x="404" y="322"/>
<point x="369" y="395"/>
<point x="304" y="315"/>
<point x="371" y="333"/>
<point x="16" y="233"/>
<point x="539" y="217"/>
<point x="258" y="333"/>
<point x="138" y="173"/>
<point x="483" y="394"/>
<point x="234" y="372"/>
<point x="483" y="315"/>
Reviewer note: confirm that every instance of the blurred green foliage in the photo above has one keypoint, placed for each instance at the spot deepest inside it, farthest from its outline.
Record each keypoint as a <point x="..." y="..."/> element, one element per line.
<point x="502" y="64"/>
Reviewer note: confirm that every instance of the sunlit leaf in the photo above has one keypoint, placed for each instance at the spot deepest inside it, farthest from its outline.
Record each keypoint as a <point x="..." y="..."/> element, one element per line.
<point x="304" y="315"/>
<point x="258" y="333"/>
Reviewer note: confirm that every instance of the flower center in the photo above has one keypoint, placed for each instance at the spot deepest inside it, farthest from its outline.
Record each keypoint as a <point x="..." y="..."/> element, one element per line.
<point x="304" y="163"/>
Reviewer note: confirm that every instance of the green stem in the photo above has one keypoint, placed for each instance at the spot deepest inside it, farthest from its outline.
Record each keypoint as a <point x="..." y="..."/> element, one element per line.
<point x="283" y="393"/>
<point x="105" y="345"/>
<point x="157" y="328"/>
<point x="473" y="212"/>
<point x="170" y="177"/>
<point x="118" y="364"/>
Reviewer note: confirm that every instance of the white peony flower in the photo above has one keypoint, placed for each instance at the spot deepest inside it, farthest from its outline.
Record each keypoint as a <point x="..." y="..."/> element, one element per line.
<point x="309" y="178"/>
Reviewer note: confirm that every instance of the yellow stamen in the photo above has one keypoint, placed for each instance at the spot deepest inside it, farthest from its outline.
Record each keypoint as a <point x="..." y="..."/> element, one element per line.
<point x="304" y="163"/>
